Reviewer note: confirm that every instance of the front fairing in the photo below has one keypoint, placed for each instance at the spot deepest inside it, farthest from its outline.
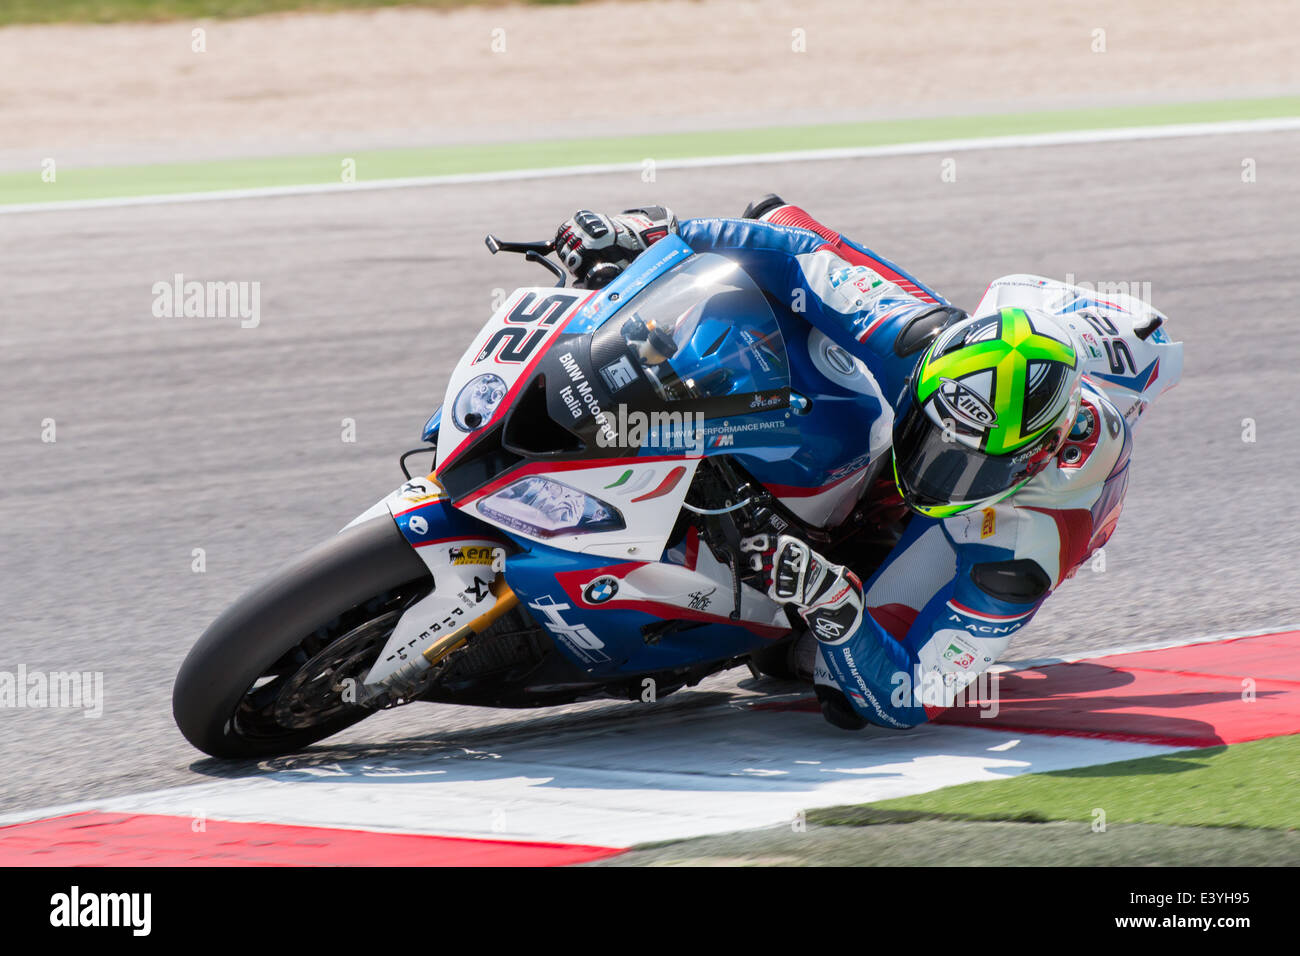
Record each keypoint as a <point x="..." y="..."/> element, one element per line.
<point x="555" y="431"/>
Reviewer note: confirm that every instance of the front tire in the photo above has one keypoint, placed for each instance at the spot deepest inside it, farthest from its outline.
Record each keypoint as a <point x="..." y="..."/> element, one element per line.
<point x="264" y="678"/>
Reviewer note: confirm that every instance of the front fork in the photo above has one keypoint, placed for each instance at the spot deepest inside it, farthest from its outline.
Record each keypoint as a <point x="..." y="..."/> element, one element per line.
<point x="466" y="560"/>
<point x="410" y="677"/>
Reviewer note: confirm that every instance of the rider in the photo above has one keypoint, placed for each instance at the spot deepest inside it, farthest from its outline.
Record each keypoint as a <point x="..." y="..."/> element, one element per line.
<point x="1009" y="445"/>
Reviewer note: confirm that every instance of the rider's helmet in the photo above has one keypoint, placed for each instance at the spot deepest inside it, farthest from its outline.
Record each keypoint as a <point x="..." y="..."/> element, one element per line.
<point x="986" y="408"/>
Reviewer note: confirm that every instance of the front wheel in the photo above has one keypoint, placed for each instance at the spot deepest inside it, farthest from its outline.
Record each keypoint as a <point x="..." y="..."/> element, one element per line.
<point x="267" y="677"/>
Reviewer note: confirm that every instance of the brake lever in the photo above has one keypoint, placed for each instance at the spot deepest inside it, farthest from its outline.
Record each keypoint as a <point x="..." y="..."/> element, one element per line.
<point x="532" y="251"/>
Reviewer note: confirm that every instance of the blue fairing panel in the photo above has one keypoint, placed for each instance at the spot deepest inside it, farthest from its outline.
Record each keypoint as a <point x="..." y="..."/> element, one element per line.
<point x="431" y="427"/>
<point x="652" y="263"/>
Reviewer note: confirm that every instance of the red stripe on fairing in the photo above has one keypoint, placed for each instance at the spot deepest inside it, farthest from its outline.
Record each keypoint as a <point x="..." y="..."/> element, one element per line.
<point x="665" y="486"/>
<point x="543" y="467"/>
<point x="692" y="547"/>
<point x="463" y="537"/>
<point x="425" y="504"/>
<point x="675" y="612"/>
<point x="798" y="491"/>
<point x="579" y="577"/>
<point x="142" y="839"/>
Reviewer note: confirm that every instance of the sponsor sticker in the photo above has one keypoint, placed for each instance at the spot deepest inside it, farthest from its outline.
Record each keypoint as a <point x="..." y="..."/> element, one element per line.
<point x="578" y="638"/>
<point x="419" y="490"/>
<point x="966" y="404"/>
<point x="961" y="656"/>
<point x="700" y="600"/>
<point x="471" y="554"/>
<point x="618" y="375"/>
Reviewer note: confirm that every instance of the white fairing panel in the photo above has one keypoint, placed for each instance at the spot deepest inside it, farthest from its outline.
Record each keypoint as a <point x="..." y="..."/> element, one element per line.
<point x="464" y="575"/>
<point x="698" y="592"/>
<point x="828" y="507"/>
<point x="499" y="357"/>
<point x="463" y="569"/>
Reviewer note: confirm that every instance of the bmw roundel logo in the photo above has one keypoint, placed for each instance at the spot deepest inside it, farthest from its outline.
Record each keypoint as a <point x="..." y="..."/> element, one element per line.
<point x="600" y="590"/>
<point x="1084" y="423"/>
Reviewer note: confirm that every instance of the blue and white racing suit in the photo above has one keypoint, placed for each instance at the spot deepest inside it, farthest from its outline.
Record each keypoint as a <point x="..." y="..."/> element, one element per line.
<point x="951" y="594"/>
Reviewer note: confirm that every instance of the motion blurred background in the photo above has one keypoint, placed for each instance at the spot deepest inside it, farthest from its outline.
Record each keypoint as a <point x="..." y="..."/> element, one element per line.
<point x="122" y="80"/>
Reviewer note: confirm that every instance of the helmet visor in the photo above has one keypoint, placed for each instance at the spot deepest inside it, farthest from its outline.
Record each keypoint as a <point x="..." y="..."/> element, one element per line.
<point x="940" y="475"/>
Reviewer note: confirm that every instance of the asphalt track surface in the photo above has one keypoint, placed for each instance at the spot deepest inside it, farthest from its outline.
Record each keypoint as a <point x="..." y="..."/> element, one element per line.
<point x="176" y="434"/>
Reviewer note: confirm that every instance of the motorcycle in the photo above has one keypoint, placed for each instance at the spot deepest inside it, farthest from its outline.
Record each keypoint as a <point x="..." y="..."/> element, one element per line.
<point x="605" y="466"/>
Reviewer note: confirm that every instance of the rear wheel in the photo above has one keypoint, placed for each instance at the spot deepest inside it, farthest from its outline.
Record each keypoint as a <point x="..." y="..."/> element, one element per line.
<point x="269" y="675"/>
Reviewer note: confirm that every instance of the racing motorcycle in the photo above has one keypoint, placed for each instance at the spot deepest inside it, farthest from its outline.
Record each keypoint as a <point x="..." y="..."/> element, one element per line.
<point x="605" y="466"/>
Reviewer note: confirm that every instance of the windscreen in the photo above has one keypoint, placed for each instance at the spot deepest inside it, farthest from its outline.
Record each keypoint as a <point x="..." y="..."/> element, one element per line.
<point x="702" y="330"/>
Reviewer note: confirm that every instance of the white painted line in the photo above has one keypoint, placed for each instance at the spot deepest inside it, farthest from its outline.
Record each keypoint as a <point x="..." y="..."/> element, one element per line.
<point x="671" y="776"/>
<point x="1024" y="141"/>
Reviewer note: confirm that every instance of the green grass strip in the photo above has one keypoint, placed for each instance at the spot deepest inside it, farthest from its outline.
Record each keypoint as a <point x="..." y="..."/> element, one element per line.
<point x="1254" y="785"/>
<point x="117" y="11"/>
<point x="121" y="181"/>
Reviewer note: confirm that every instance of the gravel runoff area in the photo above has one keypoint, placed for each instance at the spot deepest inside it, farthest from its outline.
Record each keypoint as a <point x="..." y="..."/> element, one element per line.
<point x="134" y="92"/>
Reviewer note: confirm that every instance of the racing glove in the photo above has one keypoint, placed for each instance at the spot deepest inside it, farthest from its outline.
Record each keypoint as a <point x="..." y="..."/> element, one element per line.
<point x="595" y="248"/>
<point x="827" y="596"/>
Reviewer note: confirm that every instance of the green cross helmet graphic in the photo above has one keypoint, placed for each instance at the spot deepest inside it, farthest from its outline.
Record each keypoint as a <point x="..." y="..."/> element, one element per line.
<point x="986" y="409"/>
<point x="1019" y="402"/>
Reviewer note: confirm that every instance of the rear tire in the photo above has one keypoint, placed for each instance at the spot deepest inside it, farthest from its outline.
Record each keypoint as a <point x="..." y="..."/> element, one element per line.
<point x="245" y="689"/>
